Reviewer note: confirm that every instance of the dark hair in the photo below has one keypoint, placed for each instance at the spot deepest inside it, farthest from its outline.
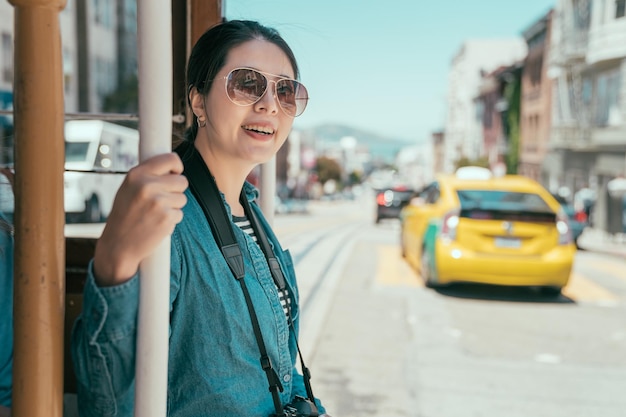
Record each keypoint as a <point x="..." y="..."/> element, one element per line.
<point x="208" y="55"/>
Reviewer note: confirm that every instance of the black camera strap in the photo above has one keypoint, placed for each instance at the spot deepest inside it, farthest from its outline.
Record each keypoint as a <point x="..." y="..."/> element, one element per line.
<point x="279" y="280"/>
<point x="210" y="200"/>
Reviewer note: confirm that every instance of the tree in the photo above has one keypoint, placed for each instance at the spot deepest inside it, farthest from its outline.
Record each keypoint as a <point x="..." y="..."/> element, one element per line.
<point x="464" y="161"/>
<point x="512" y="94"/>
<point x="327" y="169"/>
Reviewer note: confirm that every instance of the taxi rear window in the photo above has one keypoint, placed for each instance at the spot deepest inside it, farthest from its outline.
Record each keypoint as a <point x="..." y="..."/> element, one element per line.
<point x="504" y="205"/>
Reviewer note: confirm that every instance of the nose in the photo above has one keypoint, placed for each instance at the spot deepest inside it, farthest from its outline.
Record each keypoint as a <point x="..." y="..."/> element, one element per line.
<point x="269" y="100"/>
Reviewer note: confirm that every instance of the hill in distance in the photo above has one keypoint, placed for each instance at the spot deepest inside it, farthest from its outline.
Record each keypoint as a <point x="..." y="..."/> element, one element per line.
<point x="380" y="147"/>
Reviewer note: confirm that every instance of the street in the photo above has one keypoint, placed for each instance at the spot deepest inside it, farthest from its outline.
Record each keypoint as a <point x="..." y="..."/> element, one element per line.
<point x="379" y="343"/>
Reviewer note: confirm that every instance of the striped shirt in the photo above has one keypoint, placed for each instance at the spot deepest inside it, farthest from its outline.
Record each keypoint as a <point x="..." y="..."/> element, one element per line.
<point x="244" y="224"/>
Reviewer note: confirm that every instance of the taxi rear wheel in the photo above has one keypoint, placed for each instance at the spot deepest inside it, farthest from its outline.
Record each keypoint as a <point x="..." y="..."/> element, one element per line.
<point x="551" y="291"/>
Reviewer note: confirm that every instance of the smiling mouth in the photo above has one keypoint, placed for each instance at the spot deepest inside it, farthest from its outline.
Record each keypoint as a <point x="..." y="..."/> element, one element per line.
<point x="264" y="130"/>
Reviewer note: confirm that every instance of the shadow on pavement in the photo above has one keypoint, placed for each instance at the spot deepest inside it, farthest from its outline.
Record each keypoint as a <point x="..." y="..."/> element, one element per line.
<point x="502" y="293"/>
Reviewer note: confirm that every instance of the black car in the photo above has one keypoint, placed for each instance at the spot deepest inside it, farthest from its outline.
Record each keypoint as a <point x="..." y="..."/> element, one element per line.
<point x="390" y="201"/>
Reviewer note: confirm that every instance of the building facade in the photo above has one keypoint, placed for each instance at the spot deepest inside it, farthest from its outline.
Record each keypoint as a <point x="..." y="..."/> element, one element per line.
<point x="98" y="40"/>
<point x="498" y="110"/>
<point x="588" y="61"/>
<point x="463" y="130"/>
<point x="536" y="100"/>
<point x="438" y="141"/>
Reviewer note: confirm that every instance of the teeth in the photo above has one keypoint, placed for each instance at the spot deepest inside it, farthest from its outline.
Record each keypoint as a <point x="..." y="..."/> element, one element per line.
<point x="262" y="129"/>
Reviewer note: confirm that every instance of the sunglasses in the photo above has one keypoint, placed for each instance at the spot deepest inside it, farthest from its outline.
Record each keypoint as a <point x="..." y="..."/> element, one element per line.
<point x="245" y="86"/>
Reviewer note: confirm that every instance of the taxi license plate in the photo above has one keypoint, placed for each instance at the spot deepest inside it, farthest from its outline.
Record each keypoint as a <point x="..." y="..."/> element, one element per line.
<point x="508" y="242"/>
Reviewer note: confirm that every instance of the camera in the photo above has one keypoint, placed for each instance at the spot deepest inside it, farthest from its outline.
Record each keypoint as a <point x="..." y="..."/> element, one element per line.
<point x="299" y="407"/>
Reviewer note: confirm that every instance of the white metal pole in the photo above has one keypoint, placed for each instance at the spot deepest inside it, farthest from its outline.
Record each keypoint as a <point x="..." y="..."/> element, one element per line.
<point x="154" y="47"/>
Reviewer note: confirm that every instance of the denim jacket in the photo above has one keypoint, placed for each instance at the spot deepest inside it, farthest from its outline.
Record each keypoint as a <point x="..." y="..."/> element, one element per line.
<point x="6" y="310"/>
<point x="214" y="359"/>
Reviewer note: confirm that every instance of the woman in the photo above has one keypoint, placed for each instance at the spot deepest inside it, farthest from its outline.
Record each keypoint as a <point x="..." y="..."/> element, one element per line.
<point x="244" y="96"/>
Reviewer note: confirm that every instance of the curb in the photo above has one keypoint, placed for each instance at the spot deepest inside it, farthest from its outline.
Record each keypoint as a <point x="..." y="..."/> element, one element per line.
<point x="594" y="240"/>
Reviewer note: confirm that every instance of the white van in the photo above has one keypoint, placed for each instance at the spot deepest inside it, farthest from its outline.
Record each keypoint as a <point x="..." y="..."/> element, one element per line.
<point x="97" y="156"/>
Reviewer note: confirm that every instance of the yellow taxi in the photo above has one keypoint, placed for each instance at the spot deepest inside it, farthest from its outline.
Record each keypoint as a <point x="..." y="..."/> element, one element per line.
<point x="472" y="226"/>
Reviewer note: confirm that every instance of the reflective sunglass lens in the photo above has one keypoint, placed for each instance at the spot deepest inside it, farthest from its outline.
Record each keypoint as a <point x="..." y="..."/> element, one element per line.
<point x="292" y="96"/>
<point x="245" y="86"/>
<point x="286" y="93"/>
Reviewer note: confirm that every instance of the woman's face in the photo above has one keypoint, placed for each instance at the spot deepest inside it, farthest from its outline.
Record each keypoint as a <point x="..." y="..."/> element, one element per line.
<point x="251" y="134"/>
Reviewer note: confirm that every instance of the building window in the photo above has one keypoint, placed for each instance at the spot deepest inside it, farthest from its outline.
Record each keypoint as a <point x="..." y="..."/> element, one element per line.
<point x="7" y="58"/>
<point x="534" y="68"/>
<point x="620" y="8"/>
<point x="582" y="13"/>
<point x="587" y="100"/>
<point x="103" y="10"/>
<point x="607" y="98"/>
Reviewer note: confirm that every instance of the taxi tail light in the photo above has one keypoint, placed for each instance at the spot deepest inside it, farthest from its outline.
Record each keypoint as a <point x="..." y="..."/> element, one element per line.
<point x="449" y="224"/>
<point x="564" y="229"/>
<point x="385" y="198"/>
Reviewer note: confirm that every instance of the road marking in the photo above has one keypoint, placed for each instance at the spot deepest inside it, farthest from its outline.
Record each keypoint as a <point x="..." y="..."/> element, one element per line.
<point x="392" y="269"/>
<point x="580" y="288"/>
<point x="547" y="358"/>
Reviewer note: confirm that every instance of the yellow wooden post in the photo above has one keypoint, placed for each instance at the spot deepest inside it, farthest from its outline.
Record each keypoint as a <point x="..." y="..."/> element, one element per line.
<point x="39" y="215"/>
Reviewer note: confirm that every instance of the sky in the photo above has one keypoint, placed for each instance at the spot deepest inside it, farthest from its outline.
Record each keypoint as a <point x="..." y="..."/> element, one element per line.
<point x="382" y="65"/>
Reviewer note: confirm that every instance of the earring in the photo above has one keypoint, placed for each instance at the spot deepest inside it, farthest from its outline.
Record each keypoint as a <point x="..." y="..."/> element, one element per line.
<point x="201" y="122"/>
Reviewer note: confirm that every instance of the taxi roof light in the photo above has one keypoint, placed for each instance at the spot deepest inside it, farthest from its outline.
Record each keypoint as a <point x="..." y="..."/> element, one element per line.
<point x="473" y="173"/>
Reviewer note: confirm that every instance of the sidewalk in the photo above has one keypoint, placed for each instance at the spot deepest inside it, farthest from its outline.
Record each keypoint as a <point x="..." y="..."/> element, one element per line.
<point x="595" y="240"/>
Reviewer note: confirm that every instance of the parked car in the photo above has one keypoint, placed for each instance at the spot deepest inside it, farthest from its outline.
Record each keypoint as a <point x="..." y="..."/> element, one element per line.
<point x="474" y="227"/>
<point x="391" y="200"/>
<point x="291" y="206"/>
<point x="578" y="218"/>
